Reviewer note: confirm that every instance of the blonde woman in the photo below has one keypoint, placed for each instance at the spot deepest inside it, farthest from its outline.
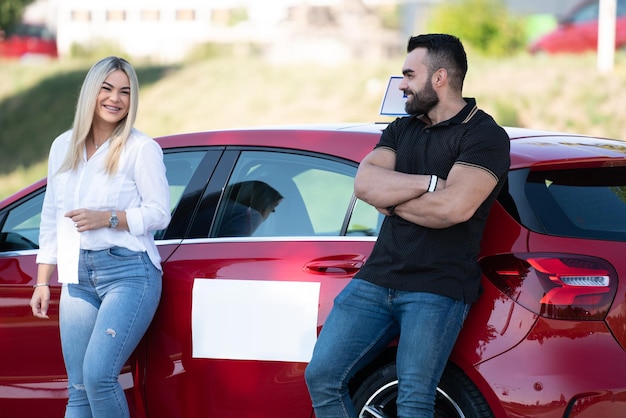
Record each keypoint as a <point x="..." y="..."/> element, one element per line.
<point x="106" y="193"/>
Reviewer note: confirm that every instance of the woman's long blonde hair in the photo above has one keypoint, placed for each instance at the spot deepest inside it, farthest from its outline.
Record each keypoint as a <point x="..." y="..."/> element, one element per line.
<point x="85" y="109"/>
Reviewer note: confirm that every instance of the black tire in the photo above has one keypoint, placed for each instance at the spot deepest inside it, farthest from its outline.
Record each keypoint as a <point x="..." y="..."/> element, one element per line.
<point x="457" y="397"/>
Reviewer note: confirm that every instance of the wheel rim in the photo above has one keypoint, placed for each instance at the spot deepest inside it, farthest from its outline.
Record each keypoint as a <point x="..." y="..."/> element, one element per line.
<point x="382" y="404"/>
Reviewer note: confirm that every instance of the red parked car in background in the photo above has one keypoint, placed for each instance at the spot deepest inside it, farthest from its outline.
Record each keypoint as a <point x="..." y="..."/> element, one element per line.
<point x="28" y="41"/>
<point x="240" y="314"/>
<point x="577" y="31"/>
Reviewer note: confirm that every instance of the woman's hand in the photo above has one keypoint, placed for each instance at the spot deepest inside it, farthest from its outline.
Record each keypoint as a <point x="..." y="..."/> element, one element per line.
<point x="40" y="301"/>
<point x="87" y="219"/>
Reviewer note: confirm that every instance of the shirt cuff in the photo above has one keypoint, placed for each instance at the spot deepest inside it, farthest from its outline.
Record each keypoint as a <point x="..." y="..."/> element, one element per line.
<point x="134" y="219"/>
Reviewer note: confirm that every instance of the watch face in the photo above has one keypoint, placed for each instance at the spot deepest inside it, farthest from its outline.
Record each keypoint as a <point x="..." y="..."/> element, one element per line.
<point x="113" y="221"/>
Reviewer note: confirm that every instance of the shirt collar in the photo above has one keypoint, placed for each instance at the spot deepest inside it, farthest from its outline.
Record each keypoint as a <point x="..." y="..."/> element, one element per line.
<point x="464" y="116"/>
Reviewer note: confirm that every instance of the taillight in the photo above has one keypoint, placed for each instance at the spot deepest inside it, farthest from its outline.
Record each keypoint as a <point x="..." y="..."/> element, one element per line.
<point x="557" y="286"/>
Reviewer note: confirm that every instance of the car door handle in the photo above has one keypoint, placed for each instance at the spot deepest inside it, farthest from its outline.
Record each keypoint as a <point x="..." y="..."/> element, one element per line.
<point x="339" y="267"/>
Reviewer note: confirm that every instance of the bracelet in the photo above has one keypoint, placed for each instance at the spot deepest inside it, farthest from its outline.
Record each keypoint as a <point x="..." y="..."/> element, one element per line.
<point x="433" y="183"/>
<point x="41" y="284"/>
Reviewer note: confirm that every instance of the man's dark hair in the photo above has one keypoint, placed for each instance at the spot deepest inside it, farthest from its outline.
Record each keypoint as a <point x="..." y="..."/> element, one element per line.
<point x="444" y="51"/>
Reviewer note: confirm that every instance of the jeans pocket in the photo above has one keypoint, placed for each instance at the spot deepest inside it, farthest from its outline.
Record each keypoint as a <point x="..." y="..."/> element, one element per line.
<point x="121" y="253"/>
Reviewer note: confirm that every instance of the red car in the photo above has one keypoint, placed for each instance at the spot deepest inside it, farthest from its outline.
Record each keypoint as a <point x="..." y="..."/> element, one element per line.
<point x="577" y="31"/>
<point x="239" y="315"/>
<point x="28" y="41"/>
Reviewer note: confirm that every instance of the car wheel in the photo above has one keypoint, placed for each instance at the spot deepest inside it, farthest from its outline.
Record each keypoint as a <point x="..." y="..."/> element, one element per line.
<point x="457" y="397"/>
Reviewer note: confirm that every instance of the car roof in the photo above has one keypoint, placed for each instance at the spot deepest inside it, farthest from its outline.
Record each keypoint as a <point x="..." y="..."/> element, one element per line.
<point x="537" y="148"/>
<point x="529" y="147"/>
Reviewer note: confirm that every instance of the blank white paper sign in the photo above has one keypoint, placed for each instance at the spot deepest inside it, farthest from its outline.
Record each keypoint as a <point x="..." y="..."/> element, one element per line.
<point x="254" y="320"/>
<point x="394" y="99"/>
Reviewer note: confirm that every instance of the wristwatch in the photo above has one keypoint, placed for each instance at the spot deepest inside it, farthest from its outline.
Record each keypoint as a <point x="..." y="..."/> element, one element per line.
<point x="113" y="221"/>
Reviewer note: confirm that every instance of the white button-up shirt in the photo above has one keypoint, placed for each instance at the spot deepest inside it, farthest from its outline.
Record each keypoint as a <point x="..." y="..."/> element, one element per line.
<point x="139" y="188"/>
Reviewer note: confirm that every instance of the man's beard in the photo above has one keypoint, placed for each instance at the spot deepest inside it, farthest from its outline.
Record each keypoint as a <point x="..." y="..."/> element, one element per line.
<point x="423" y="101"/>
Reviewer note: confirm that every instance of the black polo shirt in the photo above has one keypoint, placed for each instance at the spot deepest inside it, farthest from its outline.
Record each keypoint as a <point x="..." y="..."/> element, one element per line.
<point x="411" y="257"/>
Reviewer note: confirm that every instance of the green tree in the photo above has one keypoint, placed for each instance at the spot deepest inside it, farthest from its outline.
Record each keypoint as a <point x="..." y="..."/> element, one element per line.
<point x="484" y="25"/>
<point x="11" y="12"/>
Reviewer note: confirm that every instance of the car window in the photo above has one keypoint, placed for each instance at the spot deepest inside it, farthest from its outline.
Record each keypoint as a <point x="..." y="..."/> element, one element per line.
<point x="179" y="167"/>
<point x="586" y="14"/>
<point x="365" y="220"/>
<point x="583" y="203"/>
<point x="33" y="31"/>
<point x="20" y="231"/>
<point x="591" y="12"/>
<point x="282" y="194"/>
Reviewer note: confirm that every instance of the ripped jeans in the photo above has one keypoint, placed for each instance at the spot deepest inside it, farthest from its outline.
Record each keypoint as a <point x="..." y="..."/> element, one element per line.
<point x="102" y="319"/>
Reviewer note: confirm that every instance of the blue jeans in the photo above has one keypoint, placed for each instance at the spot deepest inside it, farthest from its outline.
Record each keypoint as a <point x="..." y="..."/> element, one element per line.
<point x="102" y="319"/>
<point x="365" y="318"/>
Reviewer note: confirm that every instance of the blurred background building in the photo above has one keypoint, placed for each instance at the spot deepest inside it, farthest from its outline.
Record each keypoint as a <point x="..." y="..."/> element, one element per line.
<point x="330" y="30"/>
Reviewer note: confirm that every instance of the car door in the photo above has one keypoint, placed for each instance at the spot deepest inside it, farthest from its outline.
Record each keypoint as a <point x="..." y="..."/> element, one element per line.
<point x="32" y="373"/>
<point x="33" y="381"/>
<point x="240" y="313"/>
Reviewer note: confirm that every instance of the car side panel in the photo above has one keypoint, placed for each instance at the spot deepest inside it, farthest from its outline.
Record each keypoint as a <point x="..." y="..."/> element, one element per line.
<point x="177" y="384"/>
<point x="568" y="365"/>
<point x="562" y="362"/>
<point x="495" y="323"/>
<point x="33" y="375"/>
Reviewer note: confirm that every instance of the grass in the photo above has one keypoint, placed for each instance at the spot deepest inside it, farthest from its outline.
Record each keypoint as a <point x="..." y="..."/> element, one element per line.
<point x="563" y="93"/>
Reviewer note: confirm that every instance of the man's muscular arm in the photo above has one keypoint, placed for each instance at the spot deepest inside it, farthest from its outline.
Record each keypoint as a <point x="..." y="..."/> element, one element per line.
<point x="378" y="184"/>
<point x="465" y="190"/>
